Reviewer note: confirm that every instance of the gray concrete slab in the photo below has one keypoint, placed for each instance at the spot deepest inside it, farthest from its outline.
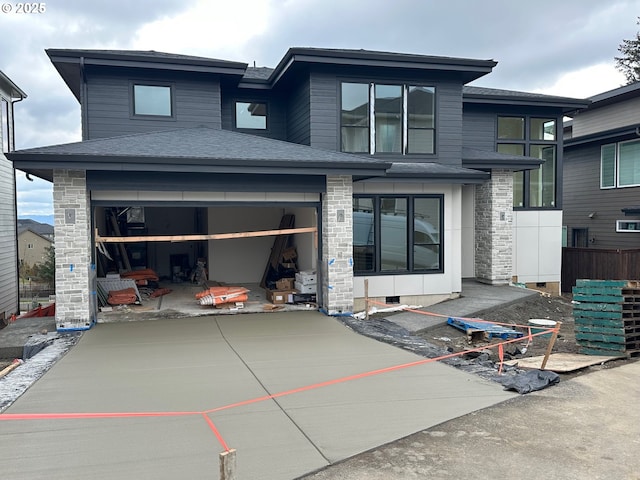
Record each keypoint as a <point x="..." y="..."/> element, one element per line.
<point x="475" y="298"/>
<point x="189" y="366"/>
<point x="15" y="335"/>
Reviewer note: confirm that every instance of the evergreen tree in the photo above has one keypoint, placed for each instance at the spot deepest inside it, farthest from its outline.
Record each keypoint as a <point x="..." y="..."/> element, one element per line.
<point x="629" y="62"/>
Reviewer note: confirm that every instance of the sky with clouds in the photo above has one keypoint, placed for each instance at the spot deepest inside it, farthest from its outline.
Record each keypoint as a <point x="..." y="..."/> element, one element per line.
<point x="556" y="47"/>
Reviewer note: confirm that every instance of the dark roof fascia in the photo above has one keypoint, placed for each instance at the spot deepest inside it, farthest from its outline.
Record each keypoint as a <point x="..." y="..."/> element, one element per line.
<point x="481" y="95"/>
<point x="69" y="63"/>
<point x="608" y="135"/>
<point x="472" y="69"/>
<point x="431" y="172"/>
<point x="14" y="91"/>
<point x="485" y="160"/>
<point x="616" y="95"/>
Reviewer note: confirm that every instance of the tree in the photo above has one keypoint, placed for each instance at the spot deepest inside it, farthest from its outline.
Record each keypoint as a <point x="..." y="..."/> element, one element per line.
<point x="629" y="62"/>
<point x="46" y="271"/>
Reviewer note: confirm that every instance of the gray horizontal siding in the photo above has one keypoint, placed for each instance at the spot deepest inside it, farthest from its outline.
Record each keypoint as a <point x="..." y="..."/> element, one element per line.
<point x="479" y="128"/>
<point x="607" y="118"/>
<point x="197" y="102"/>
<point x="582" y="196"/>
<point x="324" y="104"/>
<point x="276" y="111"/>
<point x="299" y="113"/>
<point x="8" y="244"/>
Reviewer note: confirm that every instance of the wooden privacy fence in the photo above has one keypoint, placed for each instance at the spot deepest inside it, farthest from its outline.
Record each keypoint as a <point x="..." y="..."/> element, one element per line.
<point x="598" y="264"/>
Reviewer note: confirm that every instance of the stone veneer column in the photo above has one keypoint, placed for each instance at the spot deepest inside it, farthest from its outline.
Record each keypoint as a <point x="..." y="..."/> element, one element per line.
<point x="337" y="245"/>
<point x="494" y="233"/>
<point x="75" y="300"/>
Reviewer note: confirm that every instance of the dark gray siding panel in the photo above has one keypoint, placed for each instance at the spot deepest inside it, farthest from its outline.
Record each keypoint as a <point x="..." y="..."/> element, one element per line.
<point x="324" y="111"/>
<point x="479" y="128"/>
<point x="196" y="101"/>
<point x="299" y="113"/>
<point x="583" y="196"/>
<point x="276" y="111"/>
<point x="449" y="123"/>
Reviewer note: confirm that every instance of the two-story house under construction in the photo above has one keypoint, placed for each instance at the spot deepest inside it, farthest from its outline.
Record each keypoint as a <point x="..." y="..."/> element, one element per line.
<point x="412" y="179"/>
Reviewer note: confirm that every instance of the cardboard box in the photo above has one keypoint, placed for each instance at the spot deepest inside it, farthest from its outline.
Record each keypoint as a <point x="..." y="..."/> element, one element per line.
<point x="302" y="288"/>
<point x="308" y="277"/>
<point x="279" y="297"/>
<point x="285" y="284"/>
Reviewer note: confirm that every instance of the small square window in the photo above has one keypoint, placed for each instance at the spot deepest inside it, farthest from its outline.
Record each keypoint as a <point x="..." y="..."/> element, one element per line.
<point x="152" y="100"/>
<point x="251" y="115"/>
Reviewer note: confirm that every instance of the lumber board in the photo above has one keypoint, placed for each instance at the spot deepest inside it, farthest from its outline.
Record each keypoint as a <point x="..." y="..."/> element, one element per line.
<point x="563" y="362"/>
<point x="213" y="236"/>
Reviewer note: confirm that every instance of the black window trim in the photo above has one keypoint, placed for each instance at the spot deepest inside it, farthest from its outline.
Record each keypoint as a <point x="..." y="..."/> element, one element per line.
<point x="405" y="84"/>
<point x="251" y="130"/>
<point x="410" y="235"/>
<point x="151" y="83"/>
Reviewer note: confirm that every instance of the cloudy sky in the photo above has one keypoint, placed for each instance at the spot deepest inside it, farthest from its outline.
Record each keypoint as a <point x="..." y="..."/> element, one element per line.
<point x="557" y="47"/>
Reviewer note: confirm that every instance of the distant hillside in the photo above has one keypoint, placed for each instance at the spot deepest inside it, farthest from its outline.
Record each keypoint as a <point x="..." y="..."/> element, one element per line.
<point x="48" y="219"/>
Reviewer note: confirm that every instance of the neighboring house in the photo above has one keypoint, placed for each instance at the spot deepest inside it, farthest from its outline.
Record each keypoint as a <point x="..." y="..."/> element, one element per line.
<point x="9" y="301"/>
<point x="34" y="238"/>
<point x="406" y="172"/>
<point x="602" y="172"/>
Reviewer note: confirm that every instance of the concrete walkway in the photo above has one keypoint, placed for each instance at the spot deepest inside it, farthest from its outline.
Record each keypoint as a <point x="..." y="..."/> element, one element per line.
<point x="475" y="298"/>
<point x="193" y="365"/>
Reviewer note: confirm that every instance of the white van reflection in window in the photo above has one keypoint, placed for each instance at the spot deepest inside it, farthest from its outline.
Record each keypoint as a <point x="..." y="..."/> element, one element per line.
<point x="393" y="231"/>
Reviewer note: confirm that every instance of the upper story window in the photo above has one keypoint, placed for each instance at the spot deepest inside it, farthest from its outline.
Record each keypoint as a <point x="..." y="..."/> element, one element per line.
<point x="620" y="164"/>
<point x="251" y="115"/>
<point x="4" y="125"/>
<point x="534" y="137"/>
<point x="154" y="100"/>
<point x="387" y="118"/>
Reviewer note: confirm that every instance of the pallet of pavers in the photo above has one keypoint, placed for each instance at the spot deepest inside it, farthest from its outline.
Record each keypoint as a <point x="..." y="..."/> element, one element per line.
<point x="607" y="316"/>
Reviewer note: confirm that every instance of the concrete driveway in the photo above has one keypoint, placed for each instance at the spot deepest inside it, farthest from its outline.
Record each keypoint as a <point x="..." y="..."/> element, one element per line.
<point x="171" y="383"/>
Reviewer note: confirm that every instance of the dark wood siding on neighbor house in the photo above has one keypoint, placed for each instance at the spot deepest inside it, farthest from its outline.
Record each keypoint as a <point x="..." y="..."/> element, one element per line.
<point x="583" y="196"/>
<point x="196" y="102"/>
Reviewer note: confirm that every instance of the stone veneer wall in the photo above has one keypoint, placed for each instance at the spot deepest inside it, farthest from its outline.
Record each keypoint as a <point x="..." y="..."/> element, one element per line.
<point x="494" y="232"/>
<point x="75" y="301"/>
<point x="337" y="245"/>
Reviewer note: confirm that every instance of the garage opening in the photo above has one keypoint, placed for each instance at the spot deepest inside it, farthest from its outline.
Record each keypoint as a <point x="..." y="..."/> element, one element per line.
<point x="174" y="255"/>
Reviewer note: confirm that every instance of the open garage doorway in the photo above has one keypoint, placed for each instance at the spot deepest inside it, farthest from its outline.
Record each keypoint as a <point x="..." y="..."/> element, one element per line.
<point x="175" y="254"/>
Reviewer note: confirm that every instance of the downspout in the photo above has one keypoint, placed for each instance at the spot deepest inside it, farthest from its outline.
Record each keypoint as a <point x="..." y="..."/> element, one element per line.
<point x="12" y="146"/>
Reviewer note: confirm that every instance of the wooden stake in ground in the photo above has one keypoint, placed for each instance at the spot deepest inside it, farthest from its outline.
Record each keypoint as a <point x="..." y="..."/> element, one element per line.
<point x="11" y="367"/>
<point x="228" y="465"/>
<point x="552" y="341"/>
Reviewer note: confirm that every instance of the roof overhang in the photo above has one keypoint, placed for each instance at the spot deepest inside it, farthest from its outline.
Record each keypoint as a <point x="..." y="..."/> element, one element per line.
<point x="629" y="131"/>
<point x="199" y="149"/>
<point x="69" y="63"/>
<point x="7" y="85"/>
<point x="491" y="96"/>
<point x="486" y="160"/>
<point x="429" y="172"/>
<point x="467" y="69"/>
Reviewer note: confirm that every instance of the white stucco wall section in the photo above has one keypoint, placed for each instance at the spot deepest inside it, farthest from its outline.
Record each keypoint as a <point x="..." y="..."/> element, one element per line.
<point x="537" y="246"/>
<point x="429" y="284"/>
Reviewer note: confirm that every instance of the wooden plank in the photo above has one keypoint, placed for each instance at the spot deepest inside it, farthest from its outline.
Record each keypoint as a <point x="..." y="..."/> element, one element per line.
<point x="613" y="347"/>
<point x="597" y="307"/>
<point x="601" y="337"/>
<point x="601" y="283"/>
<point x="599" y="329"/>
<point x="598" y="298"/>
<point x="213" y="236"/>
<point x="563" y="362"/>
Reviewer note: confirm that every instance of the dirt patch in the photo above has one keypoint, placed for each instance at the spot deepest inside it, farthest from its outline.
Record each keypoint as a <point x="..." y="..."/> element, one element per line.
<point x="559" y="309"/>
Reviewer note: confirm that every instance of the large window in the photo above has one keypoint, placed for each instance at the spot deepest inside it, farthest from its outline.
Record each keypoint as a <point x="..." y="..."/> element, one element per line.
<point x="385" y="118"/>
<point x="152" y="100"/>
<point x="397" y="234"/>
<point x="620" y="164"/>
<point x="251" y="115"/>
<point x="534" y="137"/>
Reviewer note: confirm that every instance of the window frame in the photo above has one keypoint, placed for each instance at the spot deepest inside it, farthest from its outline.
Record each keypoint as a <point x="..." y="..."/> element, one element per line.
<point x="251" y="129"/>
<point x="149" y="83"/>
<point x="404" y="121"/>
<point x="410" y="235"/>
<point x="616" y="165"/>
<point x="527" y="142"/>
